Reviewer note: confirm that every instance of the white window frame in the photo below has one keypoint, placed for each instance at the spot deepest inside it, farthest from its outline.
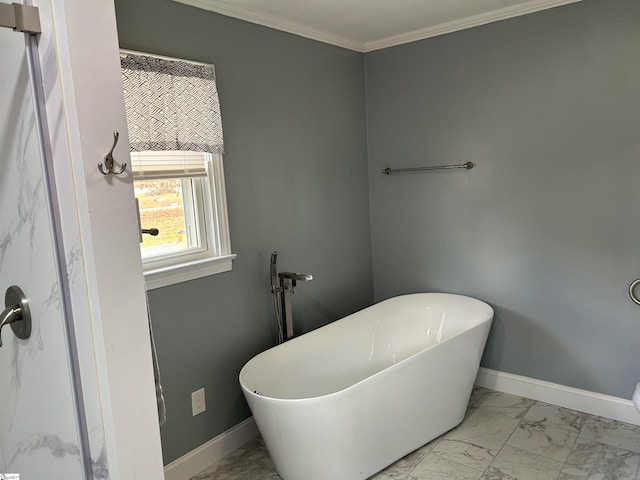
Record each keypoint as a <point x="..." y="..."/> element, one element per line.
<point x="215" y="257"/>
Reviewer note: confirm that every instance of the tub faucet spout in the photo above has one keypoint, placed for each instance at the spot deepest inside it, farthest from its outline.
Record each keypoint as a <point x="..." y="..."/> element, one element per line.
<point x="301" y="277"/>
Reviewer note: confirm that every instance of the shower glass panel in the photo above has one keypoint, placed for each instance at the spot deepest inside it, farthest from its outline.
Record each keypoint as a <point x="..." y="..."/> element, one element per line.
<point x="40" y="430"/>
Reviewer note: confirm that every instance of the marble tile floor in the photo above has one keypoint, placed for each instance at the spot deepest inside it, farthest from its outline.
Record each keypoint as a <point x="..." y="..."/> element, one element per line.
<point x="503" y="437"/>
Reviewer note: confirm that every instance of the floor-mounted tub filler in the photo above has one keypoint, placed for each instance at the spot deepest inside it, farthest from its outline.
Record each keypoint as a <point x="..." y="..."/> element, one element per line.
<point x="348" y="399"/>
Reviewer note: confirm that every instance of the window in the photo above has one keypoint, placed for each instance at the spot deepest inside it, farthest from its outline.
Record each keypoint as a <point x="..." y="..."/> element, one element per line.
<point x="175" y="133"/>
<point x="181" y="193"/>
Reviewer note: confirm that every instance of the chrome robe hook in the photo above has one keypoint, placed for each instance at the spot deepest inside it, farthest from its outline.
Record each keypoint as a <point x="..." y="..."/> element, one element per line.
<point x="108" y="159"/>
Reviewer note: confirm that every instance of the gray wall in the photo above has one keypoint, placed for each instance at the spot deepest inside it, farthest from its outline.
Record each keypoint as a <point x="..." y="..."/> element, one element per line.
<point x="546" y="228"/>
<point x="296" y="172"/>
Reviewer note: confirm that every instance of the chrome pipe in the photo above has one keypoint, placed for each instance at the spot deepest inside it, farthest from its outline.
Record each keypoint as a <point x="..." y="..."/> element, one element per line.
<point x="285" y="309"/>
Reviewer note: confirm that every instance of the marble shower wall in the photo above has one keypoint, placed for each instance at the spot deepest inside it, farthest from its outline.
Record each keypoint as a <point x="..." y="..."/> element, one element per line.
<point x="38" y="423"/>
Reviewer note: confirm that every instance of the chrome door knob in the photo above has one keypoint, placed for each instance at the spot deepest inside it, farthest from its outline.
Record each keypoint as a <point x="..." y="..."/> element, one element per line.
<point x="16" y="313"/>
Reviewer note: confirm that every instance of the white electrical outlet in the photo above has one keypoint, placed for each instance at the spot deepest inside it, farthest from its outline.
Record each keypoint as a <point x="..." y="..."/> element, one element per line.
<point x="198" y="404"/>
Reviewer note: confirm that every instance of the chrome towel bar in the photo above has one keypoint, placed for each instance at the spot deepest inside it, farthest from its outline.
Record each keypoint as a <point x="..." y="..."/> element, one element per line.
<point x="389" y="171"/>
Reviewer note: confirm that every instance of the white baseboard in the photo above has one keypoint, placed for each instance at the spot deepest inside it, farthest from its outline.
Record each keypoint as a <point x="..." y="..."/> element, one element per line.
<point x="616" y="408"/>
<point x="210" y="452"/>
<point x="574" y="398"/>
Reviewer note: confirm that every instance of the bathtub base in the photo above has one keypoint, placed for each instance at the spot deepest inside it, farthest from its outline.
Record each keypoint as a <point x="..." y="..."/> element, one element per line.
<point x="354" y="436"/>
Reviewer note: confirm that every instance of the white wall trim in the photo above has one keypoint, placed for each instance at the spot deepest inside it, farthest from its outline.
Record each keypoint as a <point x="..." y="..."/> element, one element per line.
<point x="225" y="8"/>
<point x="593" y="403"/>
<point x="170" y="275"/>
<point x="276" y="23"/>
<point x="464" y="23"/>
<point x="574" y="398"/>
<point x="212" y="451"/>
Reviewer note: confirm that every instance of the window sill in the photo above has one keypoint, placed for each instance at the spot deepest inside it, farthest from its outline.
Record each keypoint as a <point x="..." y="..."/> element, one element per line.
<point x="165" y="276"/>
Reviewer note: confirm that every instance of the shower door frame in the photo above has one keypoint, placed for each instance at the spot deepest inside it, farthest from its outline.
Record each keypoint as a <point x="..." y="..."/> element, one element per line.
<point x="84" y="104"/>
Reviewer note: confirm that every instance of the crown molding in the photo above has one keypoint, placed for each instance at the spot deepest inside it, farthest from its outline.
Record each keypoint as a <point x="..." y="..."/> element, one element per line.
<point x="464" y="23"/>
<point x="259" y="18"/>
<point x="274" y="22"/>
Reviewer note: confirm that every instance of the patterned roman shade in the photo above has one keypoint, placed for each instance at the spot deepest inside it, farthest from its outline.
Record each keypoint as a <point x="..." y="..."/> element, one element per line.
<point x="171" y="104"/>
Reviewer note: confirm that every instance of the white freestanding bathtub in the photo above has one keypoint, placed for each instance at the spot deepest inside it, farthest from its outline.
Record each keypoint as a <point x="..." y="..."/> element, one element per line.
<point x="348" y="399"/>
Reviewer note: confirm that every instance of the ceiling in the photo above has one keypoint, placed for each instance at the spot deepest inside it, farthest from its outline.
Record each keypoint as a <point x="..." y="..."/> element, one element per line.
<point x="366" y="25"/>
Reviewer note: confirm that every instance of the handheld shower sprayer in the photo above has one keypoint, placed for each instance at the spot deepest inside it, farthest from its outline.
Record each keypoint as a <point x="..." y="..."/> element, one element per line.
<point x="274" y="271"/>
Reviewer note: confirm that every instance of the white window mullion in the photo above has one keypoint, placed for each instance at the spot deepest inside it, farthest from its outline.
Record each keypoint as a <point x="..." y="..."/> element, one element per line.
<point x="202" y="215"/>
<point x="190" y="215"/>
<point x="219" y="199"/>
